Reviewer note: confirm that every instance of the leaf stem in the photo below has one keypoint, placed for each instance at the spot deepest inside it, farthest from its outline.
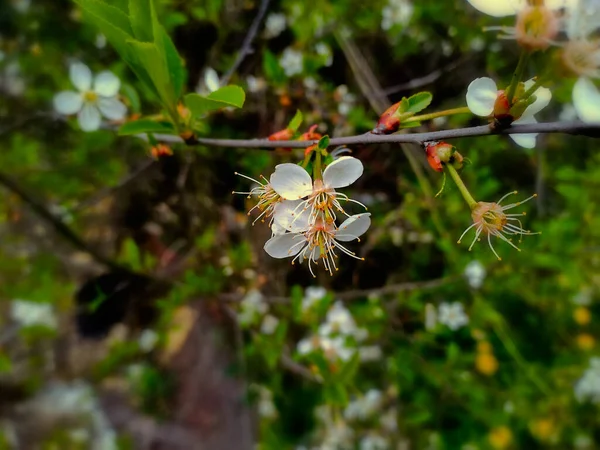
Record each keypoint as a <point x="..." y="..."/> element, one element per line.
<point x="461" y="185"/>
<point x="517" y="76"/>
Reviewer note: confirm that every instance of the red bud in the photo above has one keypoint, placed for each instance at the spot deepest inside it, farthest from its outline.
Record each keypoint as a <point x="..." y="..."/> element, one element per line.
<point x="388" y="122"/>
<point x="310" y="135"/>
<point x="282" y="135"/>
<point x="432" y="157"/>
<point x="502" y="108"/>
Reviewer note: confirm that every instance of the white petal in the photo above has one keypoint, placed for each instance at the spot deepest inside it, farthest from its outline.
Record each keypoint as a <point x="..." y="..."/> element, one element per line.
<point x="211" y="79"/>
<point x="291" y="182"/>
<point x="277" y="229"/>
<point x="106" y="84"/>
<point x="498" y="8"/>
<point x="353" y="227"/>
<point x="586" y="100"/>
<point x="342" y="172"/>
<point x="543" y="96"/>
<point x="525" y="140"/>
<point x="289" y="216"/>
<point x="481" y="96"/>
<point x="89" y="118"/>
<point x="68" y="102"/>
<point x="81" y="76"/>
<point x="285" y="245"/>
<point x="111" y="108"/>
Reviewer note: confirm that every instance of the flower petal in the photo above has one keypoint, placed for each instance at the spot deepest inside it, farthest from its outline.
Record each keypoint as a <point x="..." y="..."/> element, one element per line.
<point x="525" y="140"/>
<point x="277" y="229"/>
<point x="481" y="96"/>
<point x="89" y="118"/>
<point x="106" y="84"/>
<point x="68" y="102"/>
<point x="111" y="108"/>
<point x="291" y="181"/>
<point x="498" y="8"/>
<point x="586" y="100"/>
<point x="353" y="227"/>
<point x="81" y="76"/>
<point x="285" y="245"/>
<point x="543" y="96"/>
<point x="292" y="218"/>
<point x="342" y="172"/>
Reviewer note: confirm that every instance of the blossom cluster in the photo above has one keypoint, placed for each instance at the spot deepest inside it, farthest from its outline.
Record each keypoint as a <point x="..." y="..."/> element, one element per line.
<point x="303" y="213"/>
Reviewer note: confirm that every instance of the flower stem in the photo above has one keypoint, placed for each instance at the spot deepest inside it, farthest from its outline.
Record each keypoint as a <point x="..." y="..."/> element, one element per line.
<point x="446" y="112"/>
<point x="317" y="173"/>
<point x="517" y="76"/>
<point x="461" y="186"/>
<point x="537" y="83"/>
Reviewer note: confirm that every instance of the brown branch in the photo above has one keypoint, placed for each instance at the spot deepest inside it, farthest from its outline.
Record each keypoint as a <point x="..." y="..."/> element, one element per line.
<point x="572" y="128"/>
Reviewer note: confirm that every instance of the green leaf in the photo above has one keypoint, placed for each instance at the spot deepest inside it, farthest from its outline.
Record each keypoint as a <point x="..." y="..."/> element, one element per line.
<point x="324" y="142"/>
<point x="224" y="97"/>
<point x="108" y="13"/>
<point x="123" y="5"/>
<point x="146" y="126"/>
<point x="140" y="15"/>
<point x="151" y="58"/>
<point x="133" y="97"/>
<point x="272" y="69"/>
<point x="419" y="102"/>
<point x="174" y="62"/>
<point x="296" y="121"/>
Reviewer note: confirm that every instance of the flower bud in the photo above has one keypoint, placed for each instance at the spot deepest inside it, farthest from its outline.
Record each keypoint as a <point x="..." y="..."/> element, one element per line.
<point x="388" y="122"/>
<point x="310" y="135"/>
<point x="282" y="135"/>
<point x="502" y="109"/>
<point x="440" y="153"/>
<point x="160" y="150"/>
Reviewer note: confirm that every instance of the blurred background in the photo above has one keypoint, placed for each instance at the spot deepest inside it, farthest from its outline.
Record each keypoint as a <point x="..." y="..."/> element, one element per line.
<point x="138" y="309"/>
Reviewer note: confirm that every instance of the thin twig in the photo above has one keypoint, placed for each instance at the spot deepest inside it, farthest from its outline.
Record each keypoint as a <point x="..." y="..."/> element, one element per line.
<point x="573" y="128"/>
<point x="247" y="44"/>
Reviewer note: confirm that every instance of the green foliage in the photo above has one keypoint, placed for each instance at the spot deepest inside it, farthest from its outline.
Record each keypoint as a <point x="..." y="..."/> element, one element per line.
<point x="296" y="121"/>
<point x="146" y="126"/>
<point x="227" y="96"/>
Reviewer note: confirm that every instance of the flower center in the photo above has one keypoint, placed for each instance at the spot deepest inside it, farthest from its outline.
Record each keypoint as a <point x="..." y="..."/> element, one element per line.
<point x="536" y="27"/>
<point x="489" y="216"/>
<point x="582" y="57"/>
<point x="90" y="96"/>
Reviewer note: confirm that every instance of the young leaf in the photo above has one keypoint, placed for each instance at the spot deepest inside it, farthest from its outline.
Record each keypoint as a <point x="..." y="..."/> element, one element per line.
<point x="108" y="13"/>
<point x="141" y="20"/>
<point x="419" y="102"/>
<point x="146" y="126"/>
<point x="324" y="142"/>
<point x="296" y="121"/>
<point x="133" y="97"/>
<point x="271" y="67"/>
<point x="230" y="95"/>
<point x="174" y="62"/>
<point x="221" y="98"/>
<point x="151" y="59"/>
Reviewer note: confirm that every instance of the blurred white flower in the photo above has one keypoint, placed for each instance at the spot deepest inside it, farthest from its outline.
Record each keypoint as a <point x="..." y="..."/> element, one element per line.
<point x="252" y="307"/>
<point x="324" y="50"/>
<point x="452" y="315"/>
<point x="373" y="442"/>
<point x="312" y="295"/>
<point x="292" y="62"/>
<point x="340" y="321"/>
<point x="96" y="97"/>
<point x="370" y="353"/>
<point x="310" y="83"/>
<point x="211" y="80"/>
<point x="11" y="80"/>
<point x="364" y="407"/>
<point x="389" y="420"/>
<point x="148" y="340"/>
<point x="430" y="316"/>
<point x="255" y="84"/>
<point x="28" y="314"/>
<point x="266" y="407"/>
<point x="583" y="297"/>
<point x="396" y="12"/>
<point x="275" y="24"/>
<point x="475" y="274"/>
<point x="269" y="324"/>
<point x="21" y="6"/>
<point x="100" y="41"/>
<point x="587" y="387"/>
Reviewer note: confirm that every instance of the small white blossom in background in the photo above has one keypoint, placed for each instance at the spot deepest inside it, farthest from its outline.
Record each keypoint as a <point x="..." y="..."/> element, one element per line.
<point x="475" y="274"/>
<point x="210" y="81"/>
<point x="374" y="442"/>
<point x="340" y="321"/>
<point x="148" y="340"/>
<point x="292" y="62"/>
<point x="396" y="12"/>
<point x="482" y="94"/>
<point x="389" y="420"/>
<point x="11" y="80"/>
<point x="587" y="387"/>
<point x="269" y="324"/>
<point x="252" y="307"/>
<point x="345" y="99"/>
<point x="266" y="408"/>
<point x="29" y="314"/>
<point x="255" y="84"/>
<point x="100" y="41"/>
<point x="364" y="407"/>
<point x="336" y="433"/>
<point x="452" y="315"/>
<point x="21" y="6"/>
<point x="325" y="52"/>
<point x="312" y="295"/>
<point x="583" y="297"/>
<point x="370" y="353"/>
<point x="275" y="24"/>
<point x="96" y="98"/>
<point x="310" y="84"/>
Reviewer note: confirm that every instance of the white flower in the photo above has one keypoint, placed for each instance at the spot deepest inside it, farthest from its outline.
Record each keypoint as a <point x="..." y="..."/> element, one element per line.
<point x="364" y="407"/>
<point x="266" y="407"/>
<point x="373" y="442"/>
<point x="292" y="62"/>
<point x="97" y="97"/>
<point x="11" y="80"/>
<point x="269" y="324"/>
<point x="255" y="84"/>
<point x="324" y="50"/>
<point x="396" y="12"/>
<point x="587" y="387"/>
<point x="275" y="24"/>
<point x="148" y="340"/>
<point x="252" y="306"/>
<point x="475" y="274"/>
<point x="452" y="315"/>
<point x="312" y="295"/>
<point x="370" y="353"/>
<point x="211" y="80"/>
<point x="500" y="8"/>
<point x="586" y="99"/>
<point x="267" y="201"/>
<point x="481" y="98"/>
<point x="29" y="314"/>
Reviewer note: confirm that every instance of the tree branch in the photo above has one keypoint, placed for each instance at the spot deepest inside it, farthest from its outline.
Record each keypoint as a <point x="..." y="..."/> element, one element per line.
<point x="573" y="128"/>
